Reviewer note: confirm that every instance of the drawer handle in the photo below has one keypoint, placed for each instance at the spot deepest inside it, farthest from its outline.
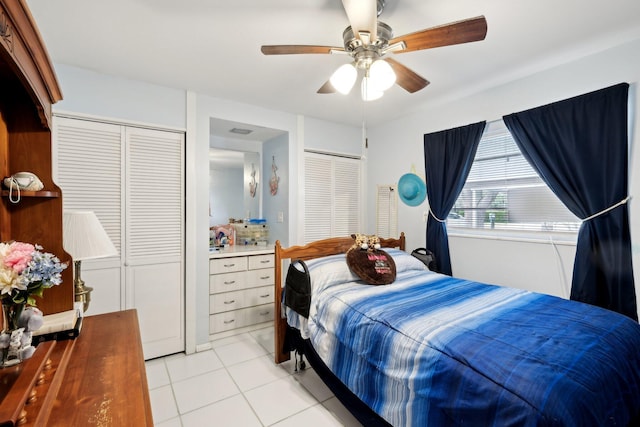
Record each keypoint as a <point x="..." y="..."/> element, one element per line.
<point x="265" y="296"/>
<point x="265" y="277"/>
<point x="264" y="313"/>
<point x="265" y="261"/>
<point x="230" y="302"/>
<point x="226" y="322"/>
<point x="230" y="283"/>
<point x="229" y="265"/>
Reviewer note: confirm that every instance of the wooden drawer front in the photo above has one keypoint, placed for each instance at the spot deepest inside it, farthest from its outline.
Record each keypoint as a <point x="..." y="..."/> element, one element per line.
<point x="227" y="301"/>
<point x="227" y="265"/>
<point x="259" y="314"/>
<point x="259" y="296"/>
<point x="262" y="277"/>
<point x="261" y="261"/>
<point x="227" y="282"/>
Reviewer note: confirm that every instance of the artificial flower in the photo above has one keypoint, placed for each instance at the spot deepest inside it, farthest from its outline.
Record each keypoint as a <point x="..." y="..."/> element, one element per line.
<point x="26" y="271"/>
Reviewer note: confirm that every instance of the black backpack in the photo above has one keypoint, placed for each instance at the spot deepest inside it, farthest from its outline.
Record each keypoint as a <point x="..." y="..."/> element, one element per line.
<point x="297" y="288"/>
<point x="427" y="257"/>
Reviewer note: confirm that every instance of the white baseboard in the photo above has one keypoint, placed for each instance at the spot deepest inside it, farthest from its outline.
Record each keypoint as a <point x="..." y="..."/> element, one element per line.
<point x="203" y="347"/>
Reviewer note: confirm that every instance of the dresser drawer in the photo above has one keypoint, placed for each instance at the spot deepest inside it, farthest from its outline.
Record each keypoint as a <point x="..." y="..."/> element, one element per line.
<point x="219" y="303"/>
<point x="227" y="282"/>
<point x="261" y="261"/>
<point x="225" y="321"/>
<point x="259" y="314"/>
<point x="227" y="265"/>
<point x="258" y="296"/>
<point x="262" y="277"/>
<point x="221" y="322"/>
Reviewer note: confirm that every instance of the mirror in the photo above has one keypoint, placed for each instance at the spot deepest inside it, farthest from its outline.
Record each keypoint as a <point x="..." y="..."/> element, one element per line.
<point x="243" y="161"/>
<point x="231" y="175"/>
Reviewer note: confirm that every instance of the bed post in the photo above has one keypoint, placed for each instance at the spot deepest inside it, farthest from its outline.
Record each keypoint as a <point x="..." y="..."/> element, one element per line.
<point x="279" y="324"/>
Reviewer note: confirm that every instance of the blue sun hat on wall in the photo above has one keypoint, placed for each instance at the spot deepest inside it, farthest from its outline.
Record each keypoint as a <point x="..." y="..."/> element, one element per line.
<point x="412" y="189"/>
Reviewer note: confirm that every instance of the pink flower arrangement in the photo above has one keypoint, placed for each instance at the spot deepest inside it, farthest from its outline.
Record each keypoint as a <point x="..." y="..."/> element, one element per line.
<point x="18" y="256"/>
<point x="25" y="271"/>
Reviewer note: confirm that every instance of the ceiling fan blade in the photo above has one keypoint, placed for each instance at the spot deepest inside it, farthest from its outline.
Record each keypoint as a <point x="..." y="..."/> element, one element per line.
<point x="327" y="88"/>
<point x="363" y="17"/>
<point x="405" y="78"/>
<point x="467" y="30"/>
<point x="292" y="49"/>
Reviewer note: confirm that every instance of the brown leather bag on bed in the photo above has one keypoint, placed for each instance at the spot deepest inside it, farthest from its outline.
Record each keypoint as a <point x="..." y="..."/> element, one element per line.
<point x="371" y="264"/>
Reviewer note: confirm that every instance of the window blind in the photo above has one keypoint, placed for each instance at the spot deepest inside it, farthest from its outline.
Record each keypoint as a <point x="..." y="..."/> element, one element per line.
<point x="503" y="192"/>
<point x="332" y="196"/>
<point x="386" y="211"/>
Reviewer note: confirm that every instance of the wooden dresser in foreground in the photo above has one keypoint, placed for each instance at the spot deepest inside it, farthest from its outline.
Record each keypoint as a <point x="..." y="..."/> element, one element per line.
<point x="97" y="379"/>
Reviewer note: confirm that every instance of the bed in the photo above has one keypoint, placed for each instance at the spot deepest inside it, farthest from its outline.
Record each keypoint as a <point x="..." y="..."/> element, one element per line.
<point x="430" y="349"/>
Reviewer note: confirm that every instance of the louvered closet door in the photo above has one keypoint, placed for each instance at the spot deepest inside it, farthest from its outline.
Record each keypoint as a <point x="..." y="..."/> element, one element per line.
<point x="155" y="236"/>
<point x="88" y="170"/>
<point x="133" y="180"/>
<point x="332" y="196"/>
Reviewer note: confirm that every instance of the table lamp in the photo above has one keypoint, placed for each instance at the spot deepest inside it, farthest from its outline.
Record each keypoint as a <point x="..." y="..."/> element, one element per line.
<point x="84" y="238"/>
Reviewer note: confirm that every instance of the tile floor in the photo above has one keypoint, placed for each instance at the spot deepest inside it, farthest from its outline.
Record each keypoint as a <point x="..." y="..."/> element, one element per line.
<point x="238" y="384"/>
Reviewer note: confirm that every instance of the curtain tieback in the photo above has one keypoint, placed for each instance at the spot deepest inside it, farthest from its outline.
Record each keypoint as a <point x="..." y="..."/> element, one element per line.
<point x="434" y="216"/>
<point x="610" y="208"/>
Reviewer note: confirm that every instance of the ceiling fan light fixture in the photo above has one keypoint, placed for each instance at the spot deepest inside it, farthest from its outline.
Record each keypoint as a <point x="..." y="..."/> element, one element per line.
<point x="369" y="93"/>
<point x="381" y="75"/>
<point x="344" y="78"/>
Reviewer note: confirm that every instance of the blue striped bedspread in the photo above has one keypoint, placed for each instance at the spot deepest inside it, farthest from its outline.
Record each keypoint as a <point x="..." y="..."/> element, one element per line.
<point x="431" y="350"/>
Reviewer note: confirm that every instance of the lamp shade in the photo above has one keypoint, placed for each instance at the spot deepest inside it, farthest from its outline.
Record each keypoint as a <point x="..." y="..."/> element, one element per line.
<point x="83" y="237"/>
<point x="344" y="78"/>
<point x="381" y="75"/>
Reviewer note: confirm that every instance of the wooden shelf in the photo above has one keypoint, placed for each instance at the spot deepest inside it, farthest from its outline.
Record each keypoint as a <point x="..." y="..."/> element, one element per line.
<point x="24" y="193"/>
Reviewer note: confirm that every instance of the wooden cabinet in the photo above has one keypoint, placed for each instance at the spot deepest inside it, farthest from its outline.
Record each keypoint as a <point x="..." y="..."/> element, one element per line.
<point x="28" y="88"/>
<point x="98" y="378"/>
<point x="240" y="292"/>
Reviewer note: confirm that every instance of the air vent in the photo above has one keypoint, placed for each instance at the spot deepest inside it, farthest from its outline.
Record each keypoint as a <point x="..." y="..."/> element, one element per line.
<point x="241" y="131"/>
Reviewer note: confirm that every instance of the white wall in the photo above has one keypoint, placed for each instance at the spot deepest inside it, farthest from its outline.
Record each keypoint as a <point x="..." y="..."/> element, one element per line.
<point x="274" y="204"/>
<point x="331" y="137"/>
<point x="95" y="94"/>
<point x="522" y="264"/>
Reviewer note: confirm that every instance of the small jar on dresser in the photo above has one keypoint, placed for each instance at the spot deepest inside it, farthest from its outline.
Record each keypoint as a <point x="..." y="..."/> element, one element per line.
<point x="241" y="282"/>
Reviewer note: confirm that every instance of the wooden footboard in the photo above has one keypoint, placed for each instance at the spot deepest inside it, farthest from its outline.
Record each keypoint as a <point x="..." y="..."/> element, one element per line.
<point x="317" y="249"/>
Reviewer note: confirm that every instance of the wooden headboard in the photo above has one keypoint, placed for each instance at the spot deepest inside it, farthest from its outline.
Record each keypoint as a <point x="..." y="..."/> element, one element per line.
<point x="317" y="249"/>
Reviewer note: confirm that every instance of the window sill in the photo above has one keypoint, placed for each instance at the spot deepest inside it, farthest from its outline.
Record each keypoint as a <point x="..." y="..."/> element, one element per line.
<point x="517" y="236"/>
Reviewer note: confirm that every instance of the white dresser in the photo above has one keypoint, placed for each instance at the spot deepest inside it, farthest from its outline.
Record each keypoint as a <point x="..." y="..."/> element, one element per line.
<point x="240" y="290"/>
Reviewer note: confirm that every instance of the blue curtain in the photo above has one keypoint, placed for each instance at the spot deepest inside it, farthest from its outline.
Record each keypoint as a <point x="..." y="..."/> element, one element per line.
<point x="448" y="156"/>
<point x="579" y="147"/>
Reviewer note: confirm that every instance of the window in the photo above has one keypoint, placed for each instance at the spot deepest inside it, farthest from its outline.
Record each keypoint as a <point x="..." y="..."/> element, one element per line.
<point x="332" y="196"/>
<point x="503" y="192"/>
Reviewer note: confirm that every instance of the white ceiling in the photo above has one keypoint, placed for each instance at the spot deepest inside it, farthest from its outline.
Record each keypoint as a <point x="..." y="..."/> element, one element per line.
<point x="213" y="47"/>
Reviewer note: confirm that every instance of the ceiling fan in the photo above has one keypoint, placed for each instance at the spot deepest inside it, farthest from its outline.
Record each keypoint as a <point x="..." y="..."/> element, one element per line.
<point x="367" y="40"/>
